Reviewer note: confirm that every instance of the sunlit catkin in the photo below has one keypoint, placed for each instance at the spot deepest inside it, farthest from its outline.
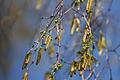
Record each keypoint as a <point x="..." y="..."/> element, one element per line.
<point x="47" y="41"/>
<point x="38" y="4"/>
<point x="42" y="34"/>
<point x="76" y="4"/>
<point x="89" y="5"/>
<point x="81" y="1"/>
<point x="77" y="25"/>
<point x="25" y="76"/>
<point x="26" y="60"/>
<point x="89" y="62"/>
<point x="48" y="76"/>
<point x="101" y="43"/>
<point x="73" y="25"/>
<point x="72" y="69"/>
<point x="58" y="38"/>
<point x="84" y="65"/>
<point x="51" y="51"/>
<point x="39" y="55"/>
<point x="85" y="35"/>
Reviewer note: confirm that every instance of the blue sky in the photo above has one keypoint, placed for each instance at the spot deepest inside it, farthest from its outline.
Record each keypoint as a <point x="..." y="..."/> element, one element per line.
<point x="36" y="72"/>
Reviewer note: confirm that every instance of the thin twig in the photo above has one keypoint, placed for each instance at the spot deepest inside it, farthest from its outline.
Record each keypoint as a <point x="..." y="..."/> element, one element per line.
<point x="110" y="70"/>
<point x="82" y="76"/>
<point x="91" y="73"/>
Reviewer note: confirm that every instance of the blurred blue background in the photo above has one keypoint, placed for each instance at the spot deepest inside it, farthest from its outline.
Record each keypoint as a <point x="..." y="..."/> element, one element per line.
<point x="19" y="25"/>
